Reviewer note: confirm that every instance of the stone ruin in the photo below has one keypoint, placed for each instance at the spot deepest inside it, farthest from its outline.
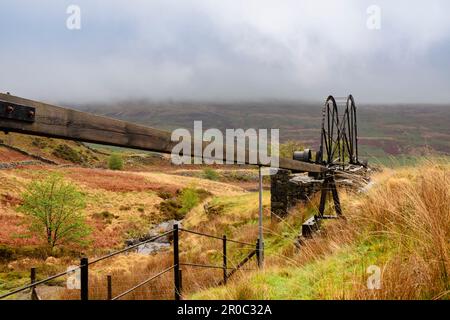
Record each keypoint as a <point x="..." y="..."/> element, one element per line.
<point x="287" y="189"/>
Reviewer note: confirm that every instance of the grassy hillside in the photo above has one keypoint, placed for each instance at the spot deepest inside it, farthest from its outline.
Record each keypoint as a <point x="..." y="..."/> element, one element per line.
<point x="402" y="226"/>
<point x="120" y="205"/>
<point x="71" y="153"/>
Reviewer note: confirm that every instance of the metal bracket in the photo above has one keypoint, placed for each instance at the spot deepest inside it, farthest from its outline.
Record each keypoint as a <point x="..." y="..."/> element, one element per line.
<point x="17" y="112"/>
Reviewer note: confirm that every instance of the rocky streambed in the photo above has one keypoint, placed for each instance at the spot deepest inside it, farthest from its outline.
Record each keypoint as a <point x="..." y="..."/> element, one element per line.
<point x="160" y="244"/>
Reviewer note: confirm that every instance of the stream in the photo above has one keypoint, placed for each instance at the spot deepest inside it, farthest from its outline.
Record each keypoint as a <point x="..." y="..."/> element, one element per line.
<point x="160" y="244"/>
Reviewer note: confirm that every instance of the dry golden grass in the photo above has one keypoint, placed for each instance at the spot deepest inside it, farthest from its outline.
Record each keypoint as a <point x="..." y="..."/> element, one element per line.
<point x="128" y="270"/>
<point x="403" y="222"/>
<point x="216" y="188"/>
<point x="115" y="181"/>
<point x="411" y="208"/>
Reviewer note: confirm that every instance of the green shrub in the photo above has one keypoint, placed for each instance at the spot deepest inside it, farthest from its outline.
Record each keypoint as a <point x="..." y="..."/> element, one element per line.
<point x="41" y="143"/>
<point x="177" y="207"/>
<point x="115" y="162"/>
<point x="189" y="199"/>
<point x="63" y="151"/>
<point x="210" y="174"/>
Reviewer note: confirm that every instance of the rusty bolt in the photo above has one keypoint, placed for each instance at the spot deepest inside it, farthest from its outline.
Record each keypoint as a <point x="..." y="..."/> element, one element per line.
<point x="9" y="109"/>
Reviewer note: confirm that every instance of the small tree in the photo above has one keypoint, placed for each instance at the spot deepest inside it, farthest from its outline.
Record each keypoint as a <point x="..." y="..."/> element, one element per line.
<point x="115" y="162"/>
<point x="55" y="208"/>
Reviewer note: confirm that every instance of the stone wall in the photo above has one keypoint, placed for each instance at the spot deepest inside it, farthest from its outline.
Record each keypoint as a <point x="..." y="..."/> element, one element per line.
<point x="288" y="189"/>
<point x="34" y="156"/>
<point x="17" y="164"/>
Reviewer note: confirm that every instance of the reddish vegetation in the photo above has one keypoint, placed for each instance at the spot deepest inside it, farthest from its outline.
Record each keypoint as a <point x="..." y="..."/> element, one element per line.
<point x="105" y="238"/>
<point x="13" y="229"/>
<point x="9" y="200"/>
<point x="115" y="181"/>
<point x="8" y="155"/>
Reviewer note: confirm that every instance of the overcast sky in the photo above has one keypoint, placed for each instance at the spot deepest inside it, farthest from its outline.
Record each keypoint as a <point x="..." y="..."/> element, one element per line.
<point x="226" y="50"/>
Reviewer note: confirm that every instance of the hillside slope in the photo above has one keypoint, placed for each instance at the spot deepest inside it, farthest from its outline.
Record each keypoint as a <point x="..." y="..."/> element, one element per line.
<point x="56" y="151"/>
<point x="394" y="130"/>
<point x="401" y="226"/>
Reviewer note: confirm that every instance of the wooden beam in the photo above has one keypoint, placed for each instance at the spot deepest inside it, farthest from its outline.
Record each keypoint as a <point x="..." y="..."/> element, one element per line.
<point x="63" y="123"/>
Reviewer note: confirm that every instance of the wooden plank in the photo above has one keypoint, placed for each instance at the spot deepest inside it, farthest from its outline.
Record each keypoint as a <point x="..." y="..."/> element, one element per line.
<point x="57" y="122"/>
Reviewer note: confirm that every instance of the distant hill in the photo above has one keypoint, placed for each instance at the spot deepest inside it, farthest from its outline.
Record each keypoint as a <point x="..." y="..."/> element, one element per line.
<point x="383" y="130"/>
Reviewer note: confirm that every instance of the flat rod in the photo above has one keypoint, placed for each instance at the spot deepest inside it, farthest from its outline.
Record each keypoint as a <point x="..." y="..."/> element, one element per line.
<point x="63" y="123"/>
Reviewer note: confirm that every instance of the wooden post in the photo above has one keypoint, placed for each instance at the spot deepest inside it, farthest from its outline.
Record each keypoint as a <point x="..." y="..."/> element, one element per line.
<point x="181" y="281"/>
<point x="84" y="275"/>
<point x="109" y="286"/>
<point x="176" y="262"/>
<point x="224" y="252"/>
<point x="258" y="258"/>
<point x="34" y="295"/>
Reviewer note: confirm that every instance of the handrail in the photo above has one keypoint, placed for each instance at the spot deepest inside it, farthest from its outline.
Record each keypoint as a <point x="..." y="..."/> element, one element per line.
<point x="208" y="266"/>
<point x="233" y="270"/>
<point x="78" y="267"/>
<point x="201" y="265"/>
<point x="241" y="264"/>
<point x="215" y="237"/>
<point x="29" y="286"/>
<point x="143" y="283"/>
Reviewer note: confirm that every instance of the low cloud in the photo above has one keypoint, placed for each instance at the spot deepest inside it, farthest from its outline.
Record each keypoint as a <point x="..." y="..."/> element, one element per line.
<point x="227" y="50"/>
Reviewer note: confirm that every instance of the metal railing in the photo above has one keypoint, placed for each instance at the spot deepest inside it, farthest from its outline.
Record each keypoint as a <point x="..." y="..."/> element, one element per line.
<point x="177" y="276"/>
<point x="224" y="265"/>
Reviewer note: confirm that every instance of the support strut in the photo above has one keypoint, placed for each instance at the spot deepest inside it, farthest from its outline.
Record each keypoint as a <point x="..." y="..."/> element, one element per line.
<point x="329" y="186"/>
<point x="313" y="224"/>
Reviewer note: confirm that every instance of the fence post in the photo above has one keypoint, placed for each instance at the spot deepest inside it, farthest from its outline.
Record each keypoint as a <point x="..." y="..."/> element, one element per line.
<point x="84" y="278"/>
<point x="260" y="222"/>
<point x="181" y="281"/>
<point x="224" y="240"/>
<point x="34" y="295"/>
<point x="258" y="253"/>
<point x="109" y="284"/>
<point x="176" y="262"/>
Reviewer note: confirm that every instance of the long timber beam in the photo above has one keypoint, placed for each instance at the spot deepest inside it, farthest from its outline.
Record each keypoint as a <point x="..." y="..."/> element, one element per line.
<point x="42" y="119"/>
